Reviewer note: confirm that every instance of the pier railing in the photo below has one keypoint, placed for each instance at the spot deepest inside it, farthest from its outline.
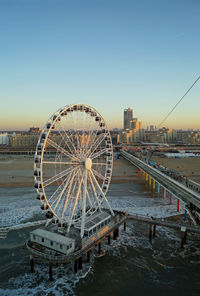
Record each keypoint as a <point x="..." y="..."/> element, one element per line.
<point x="173" y="186"/>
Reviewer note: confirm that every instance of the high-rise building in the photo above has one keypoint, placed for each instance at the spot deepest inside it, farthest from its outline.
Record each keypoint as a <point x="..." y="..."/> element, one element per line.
<point x="128" y="116"/>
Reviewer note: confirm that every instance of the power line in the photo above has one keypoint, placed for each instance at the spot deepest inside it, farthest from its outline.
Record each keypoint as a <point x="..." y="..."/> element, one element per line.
<point x="179" y="102"/>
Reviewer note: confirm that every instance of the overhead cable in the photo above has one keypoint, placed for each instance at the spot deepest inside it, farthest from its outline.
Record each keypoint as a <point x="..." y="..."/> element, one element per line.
<point x="178" y="102"/>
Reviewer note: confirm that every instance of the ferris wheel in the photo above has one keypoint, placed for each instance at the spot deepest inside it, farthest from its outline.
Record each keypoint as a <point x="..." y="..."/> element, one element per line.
<point x="73" y="165"/>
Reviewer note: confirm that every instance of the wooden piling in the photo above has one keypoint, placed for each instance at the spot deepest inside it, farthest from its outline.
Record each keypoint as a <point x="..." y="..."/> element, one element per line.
<point x="154" y="230"/>
<point x="185" y="214"/>
<point x="99" y="248"/>
<point x="178" y="205"/>
<point x="164" y="192"/>
<point x="183" y="240"/>
<point x="185" y="237"/>
<point x="150" y="233"/>
<point x="170" y="198"/>
<point x="154" y="184"/>
<point x="88" y="256"/>
<point x="32" y="263"/>
<point x="109" y="239"/>
<point x="124" y="226"/>
<point x="80" y="265"/>
<point x="75" y="266"/>
<point x="117" y="232"/>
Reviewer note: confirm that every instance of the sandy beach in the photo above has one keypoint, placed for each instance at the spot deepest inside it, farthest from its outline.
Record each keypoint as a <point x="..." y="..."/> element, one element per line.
<point x="189" y="167"/>
<point x="17" y="171"/>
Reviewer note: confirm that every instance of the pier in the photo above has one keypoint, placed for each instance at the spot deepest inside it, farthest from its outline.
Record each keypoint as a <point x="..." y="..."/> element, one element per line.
<point x="159" y="180"/>
<point x="52" y="257"/>
<point x="108" y="233"/>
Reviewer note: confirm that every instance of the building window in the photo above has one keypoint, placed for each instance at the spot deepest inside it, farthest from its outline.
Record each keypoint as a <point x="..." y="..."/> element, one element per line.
<point x="33" y="236"/>
<point x="51" y="243"/>
<point x="42" y="240"/>
<point x="61" y="246"/>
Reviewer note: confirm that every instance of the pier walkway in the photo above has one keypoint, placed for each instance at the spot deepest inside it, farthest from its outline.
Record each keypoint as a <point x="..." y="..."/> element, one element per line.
<point x="187" y="195"/>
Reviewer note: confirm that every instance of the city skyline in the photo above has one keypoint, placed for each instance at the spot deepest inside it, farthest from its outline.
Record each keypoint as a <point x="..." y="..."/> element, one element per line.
<point x="109" y="54"/>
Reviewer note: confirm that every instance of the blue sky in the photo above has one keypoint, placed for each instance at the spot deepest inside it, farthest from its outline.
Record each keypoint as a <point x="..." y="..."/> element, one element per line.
<point x="110" y="54"/>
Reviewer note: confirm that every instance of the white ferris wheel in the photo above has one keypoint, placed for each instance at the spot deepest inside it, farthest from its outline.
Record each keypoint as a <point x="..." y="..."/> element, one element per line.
<point x="73" y="165"/>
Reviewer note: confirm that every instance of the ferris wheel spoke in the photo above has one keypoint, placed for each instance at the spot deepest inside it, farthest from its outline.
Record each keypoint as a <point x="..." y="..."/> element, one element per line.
<point x="98" y="174"/>
<point x="73" y="192"/>
<point x="60" y="132"/>
<point x="96" y="144"/>
<point x="72" y="141"/>
<point x="62" y="150"/>
<point x="102" y="193"/>
<point x="75" y="203"/>
<point x="61" y="162"/>
<point x="62" y="192"/>
<point x="65" y="181"/>
<point x="93" y="138"/>
<point x="83" y="139"/>
<point x="90" y="139"/>
<point x="78" y="141"/>
<point x="83" y="202"/>
<point x="57" y="190"/>
<point x="89" y="190"/>
<point x="69" y="138"/>
<point x="98" y="153"/>
<point x="68" y="192"/>
<point x="94" y="191"/>
<point x="57" y="177"/>
<point x="88" y="197"/>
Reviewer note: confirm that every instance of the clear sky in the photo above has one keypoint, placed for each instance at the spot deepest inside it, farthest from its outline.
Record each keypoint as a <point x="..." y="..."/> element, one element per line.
<point x="111" y="54"/>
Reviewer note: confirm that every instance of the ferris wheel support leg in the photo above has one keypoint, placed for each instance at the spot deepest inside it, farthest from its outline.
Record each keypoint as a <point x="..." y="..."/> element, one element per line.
<point x="75" y="203"/>
<point x="84" y="203"/>
<point x="102" y="194"/>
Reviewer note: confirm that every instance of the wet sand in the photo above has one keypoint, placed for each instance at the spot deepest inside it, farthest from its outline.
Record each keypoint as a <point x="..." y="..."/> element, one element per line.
<point x="17" y="171"/>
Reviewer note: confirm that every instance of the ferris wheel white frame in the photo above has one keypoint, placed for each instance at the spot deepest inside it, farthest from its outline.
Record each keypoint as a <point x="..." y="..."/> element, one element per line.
<point x="80" y="155"/>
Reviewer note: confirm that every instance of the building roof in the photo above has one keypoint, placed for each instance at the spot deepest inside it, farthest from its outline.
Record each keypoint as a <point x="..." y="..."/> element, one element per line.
<point x="94" y="220"/>
<point x="58" y="238"/>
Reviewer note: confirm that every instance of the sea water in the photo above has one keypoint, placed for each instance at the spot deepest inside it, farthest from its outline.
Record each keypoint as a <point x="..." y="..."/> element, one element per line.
<point x="131" y="265"/>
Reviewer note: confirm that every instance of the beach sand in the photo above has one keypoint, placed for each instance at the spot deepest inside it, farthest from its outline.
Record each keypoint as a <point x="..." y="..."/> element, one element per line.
<point x="17" y="171"/>
<point x="189" y="167"/>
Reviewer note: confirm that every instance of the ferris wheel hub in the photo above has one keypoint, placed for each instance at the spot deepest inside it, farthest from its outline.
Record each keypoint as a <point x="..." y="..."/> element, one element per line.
<point x="88" y="164"/>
